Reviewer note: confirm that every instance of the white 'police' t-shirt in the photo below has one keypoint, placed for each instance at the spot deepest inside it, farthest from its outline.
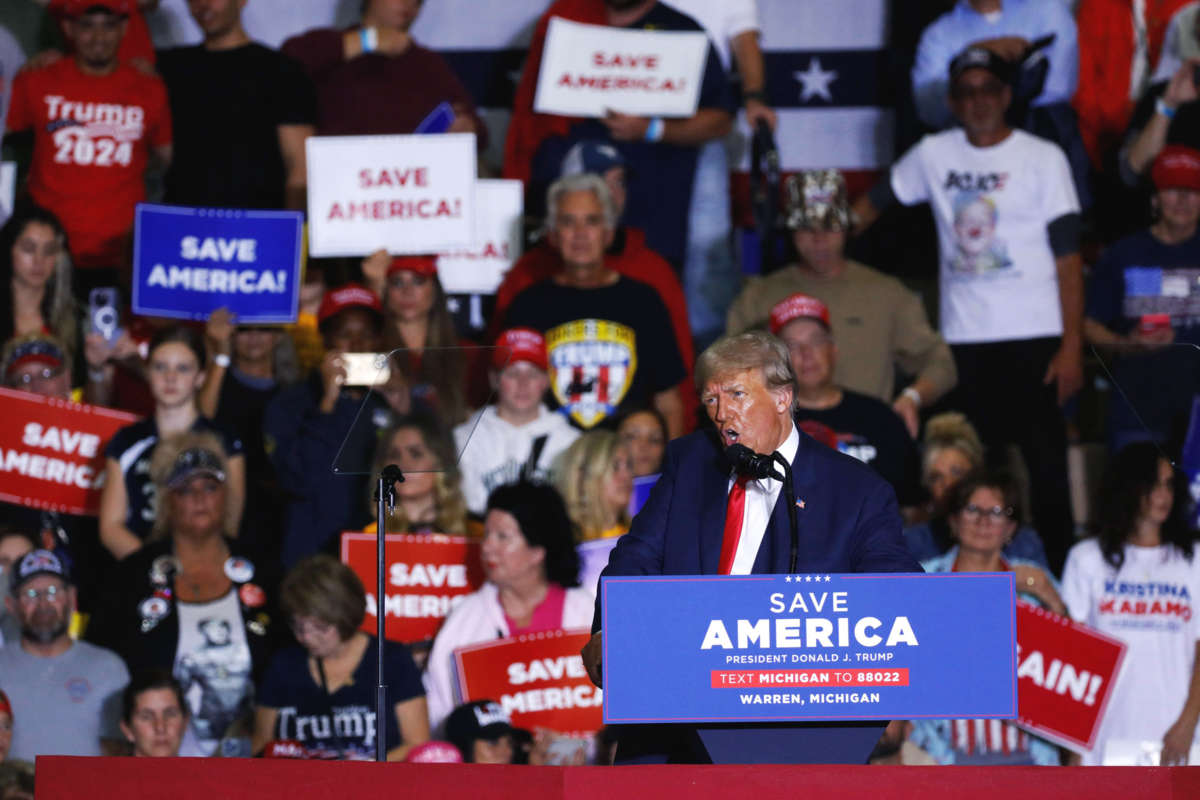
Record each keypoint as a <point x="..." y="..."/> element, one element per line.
<point x="1150" y="604"/>
<point x="992" y="205"/>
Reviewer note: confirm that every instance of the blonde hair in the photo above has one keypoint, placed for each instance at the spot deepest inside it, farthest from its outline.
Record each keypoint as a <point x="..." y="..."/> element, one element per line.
<point x="951" y="430"/>
<point x="451" y="515"/>
<point x="162" y="463"/>
<point x="579" y="475"/>
<point x="745" y="351"/>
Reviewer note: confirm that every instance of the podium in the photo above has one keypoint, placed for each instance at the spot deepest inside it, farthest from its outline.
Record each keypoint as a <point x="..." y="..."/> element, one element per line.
<point x="800" y="669"/>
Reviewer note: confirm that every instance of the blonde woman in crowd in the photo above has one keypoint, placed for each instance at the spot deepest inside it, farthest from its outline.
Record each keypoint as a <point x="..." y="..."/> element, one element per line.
<point x="429" y="499"/>
<point x="595" y="477"/>
<point x="951" y="451"/>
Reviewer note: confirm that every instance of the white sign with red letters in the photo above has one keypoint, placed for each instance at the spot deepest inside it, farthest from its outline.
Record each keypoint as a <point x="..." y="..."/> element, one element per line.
<point x="588" y="70"/>
<point x="405" y="194"/>
<point x="499" y="206"/>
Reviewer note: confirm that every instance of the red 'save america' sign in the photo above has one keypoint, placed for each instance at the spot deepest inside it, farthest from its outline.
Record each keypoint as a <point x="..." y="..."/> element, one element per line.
<point x="1065" y="673"/>
<point x="52" y="451"/>
<point x="538" y="677"/>
<point x="427" y="575"/>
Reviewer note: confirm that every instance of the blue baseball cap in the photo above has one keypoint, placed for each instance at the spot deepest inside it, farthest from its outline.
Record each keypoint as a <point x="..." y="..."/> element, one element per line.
<point x="594" y="156"/>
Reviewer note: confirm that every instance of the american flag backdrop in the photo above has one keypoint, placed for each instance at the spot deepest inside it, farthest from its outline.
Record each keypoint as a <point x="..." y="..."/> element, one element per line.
<point x="824" y="61"/>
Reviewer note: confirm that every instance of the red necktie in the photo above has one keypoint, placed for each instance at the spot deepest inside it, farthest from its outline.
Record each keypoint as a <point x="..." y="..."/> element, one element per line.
<point x="734" y="512"/>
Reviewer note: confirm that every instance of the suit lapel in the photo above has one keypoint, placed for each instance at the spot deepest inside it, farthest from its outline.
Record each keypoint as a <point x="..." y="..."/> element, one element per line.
<point x="714" y="497"/>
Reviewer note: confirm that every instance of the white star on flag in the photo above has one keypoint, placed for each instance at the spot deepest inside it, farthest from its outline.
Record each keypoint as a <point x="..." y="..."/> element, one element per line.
<point x="815" y="81"/>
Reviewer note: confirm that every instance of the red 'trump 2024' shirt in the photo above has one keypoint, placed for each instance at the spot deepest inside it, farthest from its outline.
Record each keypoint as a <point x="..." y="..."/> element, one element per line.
<point x="92" y="138"/>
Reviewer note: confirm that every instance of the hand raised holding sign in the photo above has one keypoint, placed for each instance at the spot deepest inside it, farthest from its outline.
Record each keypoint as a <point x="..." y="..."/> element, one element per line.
<point x="219" y="330"/>
<point x="463" y="122"/>
<point x="374" y="270"/>
<point x="624" y="127"/>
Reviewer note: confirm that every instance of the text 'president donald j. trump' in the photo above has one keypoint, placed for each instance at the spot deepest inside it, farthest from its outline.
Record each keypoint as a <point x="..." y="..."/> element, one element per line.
<point x="702" y="518"/>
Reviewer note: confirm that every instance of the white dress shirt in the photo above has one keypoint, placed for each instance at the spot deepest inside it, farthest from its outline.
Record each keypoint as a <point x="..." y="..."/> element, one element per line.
<point x="761" y="496"/>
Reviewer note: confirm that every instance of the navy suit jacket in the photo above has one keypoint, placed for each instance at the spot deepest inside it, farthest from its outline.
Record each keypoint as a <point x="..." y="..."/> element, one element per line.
<point x="850" y="521"/>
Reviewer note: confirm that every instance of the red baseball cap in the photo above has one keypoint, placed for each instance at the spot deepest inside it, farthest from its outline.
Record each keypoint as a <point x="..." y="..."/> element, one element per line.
<point x="1177" y="167"/>
<point x="524" y="344"/>
<point x="422" y="265"/>
<point x="351" y="295"/>
<point x="796" y="306"/>
<point x="76" y="8"/>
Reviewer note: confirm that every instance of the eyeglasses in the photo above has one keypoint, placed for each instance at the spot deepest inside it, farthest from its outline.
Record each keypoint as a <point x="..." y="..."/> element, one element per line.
<point x="994" y="514"/>
<point x="31" y="596"/>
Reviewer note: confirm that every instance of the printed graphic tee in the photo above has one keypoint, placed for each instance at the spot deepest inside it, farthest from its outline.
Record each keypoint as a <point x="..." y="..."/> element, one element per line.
<point x="1150" y="604"/>
<point x="870" y="431"/>
<point x="611" y="349"/>
<point x="212" y="663"/>
<point x="1142" y="281"/>
<point x="92" y="138"/>
<point x="992" y="206"/>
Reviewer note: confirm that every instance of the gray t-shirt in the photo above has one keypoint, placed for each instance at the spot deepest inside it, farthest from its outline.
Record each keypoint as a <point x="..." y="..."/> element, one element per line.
<point x="62" y="705"/>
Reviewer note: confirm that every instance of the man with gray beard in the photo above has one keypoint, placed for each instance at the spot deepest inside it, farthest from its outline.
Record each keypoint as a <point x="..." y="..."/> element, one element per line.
<point x="67" y="694"/>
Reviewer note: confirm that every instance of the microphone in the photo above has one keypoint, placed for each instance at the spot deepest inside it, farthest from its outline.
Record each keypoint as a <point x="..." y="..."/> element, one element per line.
<point x="751" y="464"/>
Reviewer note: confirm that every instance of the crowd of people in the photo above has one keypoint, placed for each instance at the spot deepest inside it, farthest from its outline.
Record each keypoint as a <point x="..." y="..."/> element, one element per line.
<point x="203" y="612"/>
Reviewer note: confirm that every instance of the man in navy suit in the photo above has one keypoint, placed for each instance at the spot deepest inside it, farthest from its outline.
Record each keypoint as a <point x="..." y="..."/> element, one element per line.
<point x="702" y="518"/>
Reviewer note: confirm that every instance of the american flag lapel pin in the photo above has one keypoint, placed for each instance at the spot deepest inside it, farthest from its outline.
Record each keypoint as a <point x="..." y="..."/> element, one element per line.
<point x="799" y="504"/>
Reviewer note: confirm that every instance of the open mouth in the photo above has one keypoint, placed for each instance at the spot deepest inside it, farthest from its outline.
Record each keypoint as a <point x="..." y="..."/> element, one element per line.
<point x="729" y="436"/>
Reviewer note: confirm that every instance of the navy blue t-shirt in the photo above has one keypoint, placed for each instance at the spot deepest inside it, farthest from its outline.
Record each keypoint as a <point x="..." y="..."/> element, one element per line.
<point x="870" y="431"/>
<point x="343" y="722"/>
<point x="659" y="176"/>
<point x="1142" y="280"/>
<point x="133" y="447"/>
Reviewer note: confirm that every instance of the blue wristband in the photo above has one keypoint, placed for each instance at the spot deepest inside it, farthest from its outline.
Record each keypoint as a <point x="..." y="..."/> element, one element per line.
<point x="1161" y="107"/>
<point x="369" y="38"/>
<point x="654" y="131"/>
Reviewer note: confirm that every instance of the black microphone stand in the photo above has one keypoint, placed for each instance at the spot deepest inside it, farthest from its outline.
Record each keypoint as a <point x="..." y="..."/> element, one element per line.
<point x="790" y="497"/>
<point x="385" y="502"/>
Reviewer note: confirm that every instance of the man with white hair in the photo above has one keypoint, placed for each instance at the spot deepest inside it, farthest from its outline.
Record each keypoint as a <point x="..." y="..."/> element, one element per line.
<point x="609" y="339"/>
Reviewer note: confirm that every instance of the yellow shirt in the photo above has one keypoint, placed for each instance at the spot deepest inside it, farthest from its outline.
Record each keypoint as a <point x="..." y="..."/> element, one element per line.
<point x="620" y="529"/>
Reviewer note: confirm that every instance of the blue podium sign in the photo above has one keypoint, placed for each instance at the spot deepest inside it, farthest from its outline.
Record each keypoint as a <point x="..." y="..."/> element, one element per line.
<point x="188" y="262"/>
<point x="771" y="648"/>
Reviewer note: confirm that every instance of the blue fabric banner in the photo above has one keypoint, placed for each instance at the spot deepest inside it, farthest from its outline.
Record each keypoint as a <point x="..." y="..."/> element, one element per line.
<point x="809" y="647"/>
<point x="188" y="262"/>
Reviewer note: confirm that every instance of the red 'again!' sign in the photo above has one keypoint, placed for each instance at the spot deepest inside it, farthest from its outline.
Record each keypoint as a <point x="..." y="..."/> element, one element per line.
<point x="52" y="451"/>
<point x="538" y="678"/>
<point x="427" y="575"/>
<point x="1065" y="673"/>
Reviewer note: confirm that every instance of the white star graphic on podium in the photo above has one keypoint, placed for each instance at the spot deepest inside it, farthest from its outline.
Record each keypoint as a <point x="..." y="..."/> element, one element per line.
<point x="815" y="81"/>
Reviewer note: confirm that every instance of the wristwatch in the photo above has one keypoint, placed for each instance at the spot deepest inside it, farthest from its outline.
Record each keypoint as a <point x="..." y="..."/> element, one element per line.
<point x="222" y="360"/>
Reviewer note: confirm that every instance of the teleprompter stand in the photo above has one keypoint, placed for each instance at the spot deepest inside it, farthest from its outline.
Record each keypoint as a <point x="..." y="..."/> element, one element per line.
<point x="385" y="502"/>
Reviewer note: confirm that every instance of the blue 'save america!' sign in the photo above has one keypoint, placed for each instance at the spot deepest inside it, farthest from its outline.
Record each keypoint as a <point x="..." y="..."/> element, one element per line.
<point x="188" y="262"/>
<point x="809" y="647"/>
